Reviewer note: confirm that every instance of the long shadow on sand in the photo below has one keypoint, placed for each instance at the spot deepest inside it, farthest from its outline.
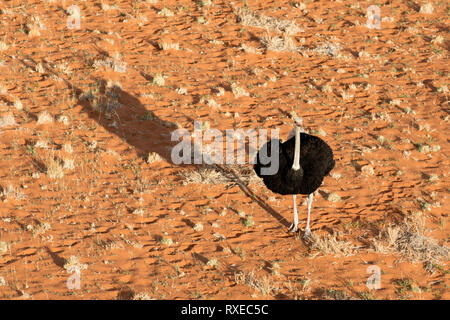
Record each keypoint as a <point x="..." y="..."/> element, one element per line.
<point x="123" y="115"/>
<point x="120" y="113"/>
<point x="233" y="177"/>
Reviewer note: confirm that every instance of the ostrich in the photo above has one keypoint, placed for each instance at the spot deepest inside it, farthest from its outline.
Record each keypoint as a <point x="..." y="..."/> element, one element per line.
<point x="304" y="160"/>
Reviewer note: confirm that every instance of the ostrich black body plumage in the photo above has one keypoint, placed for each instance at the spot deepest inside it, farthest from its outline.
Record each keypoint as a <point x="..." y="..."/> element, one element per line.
<point x="301" y="175"/>
<point x="316" y="162"/>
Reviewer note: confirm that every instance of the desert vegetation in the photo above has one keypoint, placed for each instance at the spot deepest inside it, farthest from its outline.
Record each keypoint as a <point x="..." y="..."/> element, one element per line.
<point x="87" y="183"/>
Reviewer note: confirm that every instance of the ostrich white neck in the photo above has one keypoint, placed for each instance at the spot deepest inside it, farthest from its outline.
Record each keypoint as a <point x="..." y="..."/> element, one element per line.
<point x="296" y="164"/>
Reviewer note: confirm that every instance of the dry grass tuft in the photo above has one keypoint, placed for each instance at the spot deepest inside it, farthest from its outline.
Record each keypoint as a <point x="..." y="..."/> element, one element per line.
<point x="252" y="19"/>
<point x="159" y="79"/>
<point x="181" y="90"/>
<point x="54" y="168"/>
<point x="3" y="247"/>
<point x="153" y="157"/>
<point x="238" y="91"/>
<point x="207" y="174"/>
<point x="67" y="147"/>
<point x="111" y="63"/>
<point x="69" y="164"/>
<point x="427" y="8"/>
<point x="264" y="285"/>
<point x="34" y="27"/>
<point x="7" y="120"/>
<point x="334" y="294"/>
<point x="64" y="120"/>
<point x="204" y="175"/>
<point x="41" y="144"/>
<point x="165" y="12"/>
<point x="3" y="46"/>
<point x="277" y="43"/>
<point x="44" y="118"/>
<point x="142" y="296"/>
<point x="368" y="170"/>
<point x="328" y="49"/>
<point x="18" y="104"/>
<point x="409" y="240"/>
<point x="104" y="98"/>
<point x="10" y="192"/>
<point x="250" y="49"/>
<point x="333" y="197"/>
<point x="3" y="90"/>
<point x="330" y="244"/>
<point x="73" y="263"/>
<point x="168" y="46"/>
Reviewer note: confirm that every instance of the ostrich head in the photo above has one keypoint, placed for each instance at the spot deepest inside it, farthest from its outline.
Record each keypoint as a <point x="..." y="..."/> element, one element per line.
<point x="298" y="122"/>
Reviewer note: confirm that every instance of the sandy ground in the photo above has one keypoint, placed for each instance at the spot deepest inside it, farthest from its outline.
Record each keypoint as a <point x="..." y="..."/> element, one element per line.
<point x="88" y="191"/>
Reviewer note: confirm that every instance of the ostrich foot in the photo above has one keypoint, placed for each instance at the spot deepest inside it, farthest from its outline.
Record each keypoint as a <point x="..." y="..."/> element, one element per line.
<point x="307" y="235"/>
<point x="293" y="228"/>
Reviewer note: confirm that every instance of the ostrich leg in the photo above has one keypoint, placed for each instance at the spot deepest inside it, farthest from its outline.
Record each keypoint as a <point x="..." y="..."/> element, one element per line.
<point x="307" y="229"/>
<point x="294" y="225"/>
